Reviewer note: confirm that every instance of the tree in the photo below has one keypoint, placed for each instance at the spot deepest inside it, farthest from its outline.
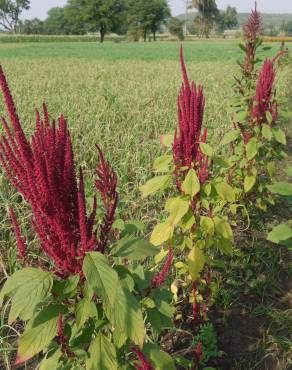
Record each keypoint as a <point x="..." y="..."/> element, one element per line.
<point x="56" y="22"/>
<point x="148" y="15"/>
<point x="287" y="28"/>
<point x="31" y="27"/>
<point x="226" y="20"/>
<point x="10" y="11"/>
<point x="175" y="27"/>
<point x="206" y="18"/>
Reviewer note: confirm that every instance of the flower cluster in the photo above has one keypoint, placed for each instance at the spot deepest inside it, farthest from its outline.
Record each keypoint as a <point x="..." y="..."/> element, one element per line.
<point x="43" y="171"/>
<point x="187" y="139"/>
<point x="159" y="278"/>
<point x="145" y="364"/>
<point x="263" y="99"/>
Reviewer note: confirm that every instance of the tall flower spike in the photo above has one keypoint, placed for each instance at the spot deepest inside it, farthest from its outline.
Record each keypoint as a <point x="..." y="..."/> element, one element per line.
<point x="43" y="171"/>
<point x="187" y="138"/>
<point x="263" y="99"/>
<point x="160" y="278"/>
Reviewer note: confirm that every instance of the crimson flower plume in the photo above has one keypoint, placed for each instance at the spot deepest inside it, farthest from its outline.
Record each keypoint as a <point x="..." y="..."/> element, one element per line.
<point x="144" y="363"/>
<point x="160" y="277"/>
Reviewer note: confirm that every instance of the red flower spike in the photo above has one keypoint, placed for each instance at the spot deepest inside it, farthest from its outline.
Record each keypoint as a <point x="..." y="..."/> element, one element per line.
<point x="145" y="364"/>
<point x="21" y="242"/>
<point x="263" y="99"/>
<point x="187" y="138"/>
<point x="159" y="278"/>
<point x="198" y="352"/>
<point x="43" y="171"/>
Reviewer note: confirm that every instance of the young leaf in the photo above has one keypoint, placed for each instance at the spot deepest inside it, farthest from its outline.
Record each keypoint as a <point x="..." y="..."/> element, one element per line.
<point x="249" y="182"/>
<point x="191" y="184"/>
<point x="280" y="234"/>
<point x="51" y="361"/>
<point x="196" y="262"/>
<point x="230" y="136"/>
<point x="281" y="188"/>
<point x="267" y="132"/>
<point x="280" y="136"/>
<point x="226" y="192"/>
<point x="207" y="224"/>
<point x="161" y="164"/>
<point x="134" y="248"/>
<point x="102" y="278"/>
<point x="223" y="228"/>
<point x="177" y="208"/>
<point x="27" y="288"/>
<point x="206" y="149"/>
<point x="155" y="184"/>
<point x="161" y="233"/>
<point x="161" y="360"/>
<point x="102" y="354"/>
<point x="251" y="149"/>
<point x="167" y="140"/>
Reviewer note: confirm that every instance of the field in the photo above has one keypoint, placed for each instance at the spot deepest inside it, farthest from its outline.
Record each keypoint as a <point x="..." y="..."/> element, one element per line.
<point x="122" y="97"/>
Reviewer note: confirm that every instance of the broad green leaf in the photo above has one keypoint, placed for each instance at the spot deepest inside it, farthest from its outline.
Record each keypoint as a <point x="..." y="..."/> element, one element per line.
<point x="161" y="233"/>
<point x="226" y="192"/>
<point x="271" y="168"/>
<point x="27" y="288"/>
<point x="267" y="132"/>
<point x="223" y="228"/>
<point x="207" y="224"/>
<point x="134" y="248"/>
<point x="241" y="116"/>
<point x="126" y="279"/>
<point x="102" y="278"/>
<point x="84" y="310"/>
<point x="161" y="360"/>
<point x="102" y="354"/>
<point x="191" y="184"/>
<point x="207" y="149"/>
<point x="251" y="149"/>
<point x="126" y="316"/>
<point x="196" y="262"/>
<point x="167" y="140"/>
<point x="155" y="184"/>
<point x="177" y="208"/>
<point x="38" y="337"/>
<point x="280" y="136"/>
<point x="269" y="117"/>
<point x="51" y="361"/>
<point x="230" y="136"/>
<point x="281" y="188"/>
<point x="280" y="233"/>
<point x="249" y="182"/>
<point x="162" y="163"/>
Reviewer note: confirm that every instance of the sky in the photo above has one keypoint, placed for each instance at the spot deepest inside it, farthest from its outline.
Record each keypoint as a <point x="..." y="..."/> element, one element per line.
<point x="39" y="8"/>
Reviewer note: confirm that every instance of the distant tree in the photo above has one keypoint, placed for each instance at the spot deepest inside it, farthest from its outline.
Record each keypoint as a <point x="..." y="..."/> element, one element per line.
<point x="287" y="28"/>
<point x="175" y="27"/>
<point x="148" y="15"/>
<point x="10" y="11"/>
<point x="56" y="22"/>
<point x="270" y="30"/>
<point x="226" y="20"/>
<point x="207" y="14"/>
<point x="31" y="27"/>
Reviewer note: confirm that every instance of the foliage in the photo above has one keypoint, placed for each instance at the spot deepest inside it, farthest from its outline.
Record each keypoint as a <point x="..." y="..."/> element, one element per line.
<point x="207" y="14"/>
<point x="175" y="27"/>
<point x="227" y="19"/>
<point x="10" y="11"/>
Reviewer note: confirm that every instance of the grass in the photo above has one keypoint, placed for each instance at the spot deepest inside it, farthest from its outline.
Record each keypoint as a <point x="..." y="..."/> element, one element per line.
<point x="123" y="97"/>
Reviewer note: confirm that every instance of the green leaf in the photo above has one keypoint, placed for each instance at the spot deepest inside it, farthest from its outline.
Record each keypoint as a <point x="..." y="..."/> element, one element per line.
<point x="249" y="182"/>
<point x="162" y="163"/>
<point x="167" y="140"/>
<point x="223" y="228"/>
<point x="126" y="279"/>
<point x="207" y="224"/>
<point x="161" y="360"/>
<point x="269" y="117"/>
<point x="191" y="184"/>
<point x="280" y="136"/>
<point x="206" y="149"/>
<point x="134" y="248"/>
<point x="102" y="354"/>
<point x="155" y="184"/>
<point x="126" y="316"/>
<point x="288" y="171"/>
<point x="196" y="262"/>
<point x="102" y="278"/>
<point x="230" y="136"/>
<point x="27" y="288"/>
<point x="271" y="168"/>
<point x="280" y="234"/>
<point x="226" y="192"/>
<point x="84" y="310"/>
<point x="51" y="361"/>
<point x="39" y="336"/>
<point x="281" y="188"/>
<point x="267" y="132"/>
<point x="177" y="208"/>
<point x="161" y="233"/>
<point x="241" y="116"/>
<point x="251" y="149"/>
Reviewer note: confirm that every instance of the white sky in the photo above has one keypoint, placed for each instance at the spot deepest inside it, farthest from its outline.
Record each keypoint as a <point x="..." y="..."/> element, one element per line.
<point x="39" y="8"/>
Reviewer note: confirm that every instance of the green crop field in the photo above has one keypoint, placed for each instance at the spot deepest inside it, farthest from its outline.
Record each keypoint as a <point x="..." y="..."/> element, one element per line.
<point x="123" y="96"/>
